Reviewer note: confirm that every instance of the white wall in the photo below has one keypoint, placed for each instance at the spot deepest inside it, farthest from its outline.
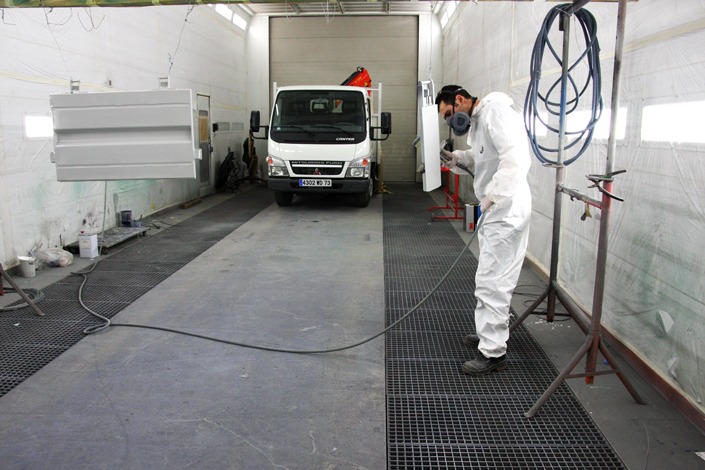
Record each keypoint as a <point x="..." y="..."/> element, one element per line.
<point x="655" y="261"/>
<point x="107" y="49"/>
<point x="259" y="91"/>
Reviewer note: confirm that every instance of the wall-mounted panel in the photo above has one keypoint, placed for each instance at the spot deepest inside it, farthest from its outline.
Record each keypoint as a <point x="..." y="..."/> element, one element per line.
<point x="124" y="135"/>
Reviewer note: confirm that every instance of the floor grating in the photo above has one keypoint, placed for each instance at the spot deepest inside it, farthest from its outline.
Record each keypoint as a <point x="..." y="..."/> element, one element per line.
<point x="437" y="417"/>
<point x="29" y="342"/>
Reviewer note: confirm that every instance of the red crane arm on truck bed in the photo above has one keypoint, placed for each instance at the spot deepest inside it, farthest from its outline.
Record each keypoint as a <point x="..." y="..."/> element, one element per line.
<point x="360" y="77"/>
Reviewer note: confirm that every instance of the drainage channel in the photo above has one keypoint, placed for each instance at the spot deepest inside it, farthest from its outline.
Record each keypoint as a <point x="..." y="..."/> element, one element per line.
<point x="28" y="342"/>
<point x="437" y="417"/>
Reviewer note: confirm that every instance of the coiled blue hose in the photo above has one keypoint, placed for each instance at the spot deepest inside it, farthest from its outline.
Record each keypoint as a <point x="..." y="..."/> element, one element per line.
<point x="593" y="81"/>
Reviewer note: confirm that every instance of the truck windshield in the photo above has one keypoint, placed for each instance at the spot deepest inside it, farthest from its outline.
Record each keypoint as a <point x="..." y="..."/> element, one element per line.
<point x="320" y="116"/>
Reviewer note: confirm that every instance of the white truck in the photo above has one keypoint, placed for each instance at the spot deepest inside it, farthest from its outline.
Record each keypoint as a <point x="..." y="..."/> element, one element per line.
<point x="321" y="139"/>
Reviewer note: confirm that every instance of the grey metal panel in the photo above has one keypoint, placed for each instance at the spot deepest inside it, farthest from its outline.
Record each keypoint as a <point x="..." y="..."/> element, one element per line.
<point x="325" y="51"/>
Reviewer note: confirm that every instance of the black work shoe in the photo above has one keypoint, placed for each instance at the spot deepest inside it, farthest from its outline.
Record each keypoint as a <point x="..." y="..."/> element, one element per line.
<point x="471" y="340"/>
<point x="484" y="365"/>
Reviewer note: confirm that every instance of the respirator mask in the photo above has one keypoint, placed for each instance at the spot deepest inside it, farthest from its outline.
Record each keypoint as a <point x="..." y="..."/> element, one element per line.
<point x="459" y="122"/>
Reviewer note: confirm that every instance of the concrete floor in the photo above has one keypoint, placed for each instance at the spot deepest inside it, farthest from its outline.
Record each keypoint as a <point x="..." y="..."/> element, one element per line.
<point x="307" y="277"/>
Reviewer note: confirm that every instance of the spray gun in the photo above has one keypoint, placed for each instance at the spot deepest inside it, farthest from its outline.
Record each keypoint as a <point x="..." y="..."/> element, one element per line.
<point x="448" y="145"/>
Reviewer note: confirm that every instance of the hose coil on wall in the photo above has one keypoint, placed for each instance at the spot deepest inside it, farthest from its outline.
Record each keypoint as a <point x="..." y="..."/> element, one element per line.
<point x="592" y="84"/>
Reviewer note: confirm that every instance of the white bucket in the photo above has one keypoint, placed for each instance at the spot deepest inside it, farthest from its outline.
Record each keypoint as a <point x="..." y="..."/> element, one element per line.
<point x="27" y="266"/>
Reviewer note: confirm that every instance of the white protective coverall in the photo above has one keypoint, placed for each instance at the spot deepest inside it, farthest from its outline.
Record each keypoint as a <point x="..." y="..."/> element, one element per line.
<point x="500" y="152"/>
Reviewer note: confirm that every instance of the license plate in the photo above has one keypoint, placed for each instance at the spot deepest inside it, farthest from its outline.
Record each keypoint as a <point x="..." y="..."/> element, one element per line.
<point x="314" y="183"/>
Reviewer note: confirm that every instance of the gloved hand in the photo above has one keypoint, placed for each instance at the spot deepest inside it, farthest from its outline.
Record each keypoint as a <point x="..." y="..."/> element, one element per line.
<point x="485" y="204"/>
<point x="449" y="160"/>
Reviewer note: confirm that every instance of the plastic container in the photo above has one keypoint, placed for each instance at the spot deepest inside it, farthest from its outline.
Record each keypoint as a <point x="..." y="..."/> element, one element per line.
<point x="27" y="266"/>
<point x="87" y="245"/>
<point x="472" y="214"/>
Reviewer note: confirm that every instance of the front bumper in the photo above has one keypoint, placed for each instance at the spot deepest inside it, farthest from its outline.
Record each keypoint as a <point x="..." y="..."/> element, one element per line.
<point x="341" y="186"/>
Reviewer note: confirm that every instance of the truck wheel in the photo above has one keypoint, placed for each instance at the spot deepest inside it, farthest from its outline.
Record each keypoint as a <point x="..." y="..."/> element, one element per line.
<point x="283" y="199"/>
<point x="363" y="199"/>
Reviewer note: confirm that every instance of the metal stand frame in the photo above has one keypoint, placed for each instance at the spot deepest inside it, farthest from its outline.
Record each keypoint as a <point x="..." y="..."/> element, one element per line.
<point x="594" y="341"/>
<point x="451" y="195"/>
<point x="29" y="302"/>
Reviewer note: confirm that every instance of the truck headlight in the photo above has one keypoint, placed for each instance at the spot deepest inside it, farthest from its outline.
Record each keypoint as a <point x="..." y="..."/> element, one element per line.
<point x="276" y="167"/>
<point x="359" y="168"/>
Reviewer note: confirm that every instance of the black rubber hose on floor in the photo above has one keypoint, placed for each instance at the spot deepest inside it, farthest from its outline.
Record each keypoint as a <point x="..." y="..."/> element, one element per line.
<point x="107" y="323"/>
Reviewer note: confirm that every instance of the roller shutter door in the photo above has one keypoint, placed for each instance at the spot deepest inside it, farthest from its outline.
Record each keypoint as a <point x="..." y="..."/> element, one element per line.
<point x="319" y="50"/>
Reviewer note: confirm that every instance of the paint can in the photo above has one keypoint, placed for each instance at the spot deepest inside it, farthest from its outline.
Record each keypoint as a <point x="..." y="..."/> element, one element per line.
<point x="87" y="245"/>
<point x="27" y="266"/>
<point x="472" y="214"/>
<point x="126" y="218"/>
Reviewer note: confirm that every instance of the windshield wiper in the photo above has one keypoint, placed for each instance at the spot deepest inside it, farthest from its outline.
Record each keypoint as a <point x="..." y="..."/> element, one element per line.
<point x="330" y="126"/>
<point x="298" y="127"/>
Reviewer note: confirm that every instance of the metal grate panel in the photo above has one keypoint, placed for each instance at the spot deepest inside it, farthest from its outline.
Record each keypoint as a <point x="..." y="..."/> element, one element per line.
<point x="432" y="320"/>
<point x="118" y="278"/>
<point x="17" y="362"/>
<point x="490" y="421"/>
<point x="54" y="309"/>
<point x="424" y="285"/>
<point x="145" y="266"/>
<point x="437" y="417"/>
<point x="406" y="342"/>
<point x="439" y="376"/>
<point x="430" y="272"/>
<point x="120" y="294"/>
<point x="28" y="342"/>
<point x="436" y="456"/>
<point x="39" y="332"/>
<point x="438" y="301"/>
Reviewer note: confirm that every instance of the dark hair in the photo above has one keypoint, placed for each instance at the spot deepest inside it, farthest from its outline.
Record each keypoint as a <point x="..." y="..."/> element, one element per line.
<point x="448" y="93"/>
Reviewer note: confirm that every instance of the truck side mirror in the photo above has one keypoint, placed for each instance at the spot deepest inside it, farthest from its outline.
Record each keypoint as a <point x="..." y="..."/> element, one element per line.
<point x="254" y="121"/>
<point x="386" y="120"/>
<point x="255" y="126"/>
<point x="385" y="128"/>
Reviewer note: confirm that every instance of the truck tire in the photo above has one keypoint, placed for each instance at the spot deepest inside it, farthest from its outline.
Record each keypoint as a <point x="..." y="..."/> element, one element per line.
<point x="283" y="199"/>
<point x="363" y="199"/>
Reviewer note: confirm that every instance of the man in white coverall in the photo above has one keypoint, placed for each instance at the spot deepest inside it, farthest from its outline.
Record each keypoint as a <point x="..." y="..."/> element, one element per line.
<point x="499" y="150"/>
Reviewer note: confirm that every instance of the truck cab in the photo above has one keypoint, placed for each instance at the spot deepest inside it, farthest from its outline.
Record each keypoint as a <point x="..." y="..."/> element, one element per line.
<point x="321" y="139"/>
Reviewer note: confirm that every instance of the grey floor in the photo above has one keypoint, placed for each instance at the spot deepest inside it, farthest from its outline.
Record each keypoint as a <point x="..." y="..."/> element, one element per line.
<point x="308" y="277"/>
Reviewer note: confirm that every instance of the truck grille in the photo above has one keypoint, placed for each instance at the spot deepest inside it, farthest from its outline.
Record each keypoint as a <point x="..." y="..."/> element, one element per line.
<point x="316" y="168"/>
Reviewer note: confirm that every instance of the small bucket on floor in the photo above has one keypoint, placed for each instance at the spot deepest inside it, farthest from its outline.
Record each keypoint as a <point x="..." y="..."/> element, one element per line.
<point x="27" y="266"/>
